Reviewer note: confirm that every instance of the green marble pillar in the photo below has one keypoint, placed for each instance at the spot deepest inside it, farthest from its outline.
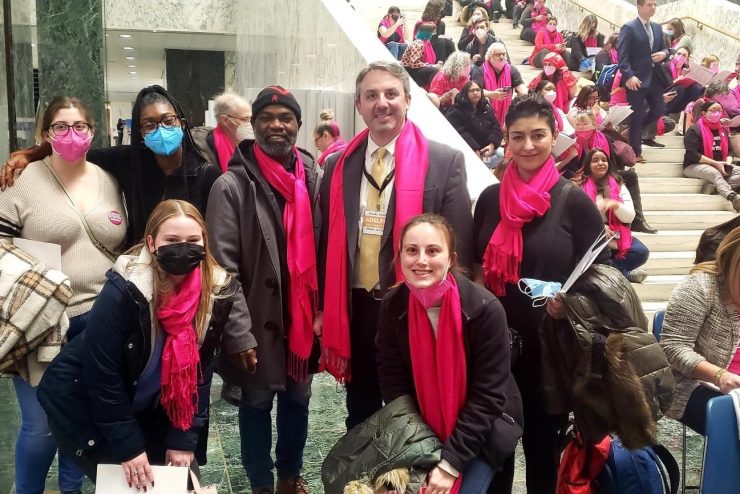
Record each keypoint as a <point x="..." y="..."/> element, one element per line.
<point x="4" y="131"/>
<point x="25" y="109"/>
<point x="71" y="42"/>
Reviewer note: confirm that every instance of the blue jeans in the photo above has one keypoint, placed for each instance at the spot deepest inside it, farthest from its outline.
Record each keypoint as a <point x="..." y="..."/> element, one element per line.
<point x="396" y="49"/>
<point x="255" y="431"/>
<point x="636" y="256"/>
<point x="477" y="477"/>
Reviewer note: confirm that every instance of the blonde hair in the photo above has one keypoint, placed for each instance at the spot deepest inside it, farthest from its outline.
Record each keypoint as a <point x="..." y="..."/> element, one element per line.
<point x="586" y="114"/>
<point x="709" y="60"/>
<point x="585" y="28"/>
<point x="173" y="208"/>
<point x="726" y="267"/>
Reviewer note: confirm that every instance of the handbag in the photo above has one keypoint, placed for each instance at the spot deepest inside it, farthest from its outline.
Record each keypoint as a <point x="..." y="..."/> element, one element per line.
<point x="662" y="76"/>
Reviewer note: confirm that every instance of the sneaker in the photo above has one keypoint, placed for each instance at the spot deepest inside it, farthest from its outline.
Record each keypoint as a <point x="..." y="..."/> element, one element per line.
<point x="296" y="485"/>
<point x="708" y="189"/>
<point x="735" y="200"/>
<point x="652" y="143"/>
<point x="637" y="275"/>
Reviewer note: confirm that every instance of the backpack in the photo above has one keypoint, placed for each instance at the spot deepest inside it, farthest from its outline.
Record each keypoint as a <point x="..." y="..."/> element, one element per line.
<point x="606" y="76"/>
<point x="649" y="470"/>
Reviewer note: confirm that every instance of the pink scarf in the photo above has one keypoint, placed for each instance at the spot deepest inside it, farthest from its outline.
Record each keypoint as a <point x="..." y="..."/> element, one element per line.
<point x="429" y="56"/>
<point x="224" y="147"/>
<point x="491" y="82"/>
<point x="599" y="118"/>
<point x="301" y="255"/>
<point x="180" y="358"/>
<point x="335" y="147"/>
<point x="552" y="38"/>
<point x="558" y="118"/>
<point x="538" y="9"/>
<point x="591" y="139"/>
<point x="388" y="22"/>
<point x="707" y="137"/>
<point x="439" y="364"/>
<point x="624" y="242"/>
<point x="412" y="162"/>
<point x="614" y="54"/>
<point x="519" y="202"/>
<point x="590" y="42"/>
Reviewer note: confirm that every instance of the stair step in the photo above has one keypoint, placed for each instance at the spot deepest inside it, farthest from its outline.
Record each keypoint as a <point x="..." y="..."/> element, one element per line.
<point x="663" y="155"/>
<point x="677" y="262"/>
<point x="671" y="141"/>
<point x="670" y="240"/>
<point x="686" y="220"/>
<point x="659" y="170"/>
<point x="683" y="202"/>
<point x="667" y="185"/>
<point x="657" y="288"/>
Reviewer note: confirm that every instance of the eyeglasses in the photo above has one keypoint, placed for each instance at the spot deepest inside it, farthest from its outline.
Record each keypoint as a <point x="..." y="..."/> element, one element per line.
<point x="498" y="55"/>
<point x="61" y="128"/>
<point x="150" y="126"/>
<point x="474" y="90"/>
<point x="240" y="119"/>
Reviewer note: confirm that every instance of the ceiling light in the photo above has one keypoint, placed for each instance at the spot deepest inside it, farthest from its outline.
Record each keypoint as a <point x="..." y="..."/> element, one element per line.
<point x="311" y="55"/>
<point x="331" y="45"/>
<point x="130" y="58"/>
<point x="296" y="64"/>
<point x="133" y="72"/>
<point x="124" y="35"/>
<point x="128" y="47"/>
<point x="132" y="66"/>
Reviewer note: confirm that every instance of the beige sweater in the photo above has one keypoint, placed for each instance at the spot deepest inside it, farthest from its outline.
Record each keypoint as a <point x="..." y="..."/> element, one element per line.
<point x="37" y="208"/>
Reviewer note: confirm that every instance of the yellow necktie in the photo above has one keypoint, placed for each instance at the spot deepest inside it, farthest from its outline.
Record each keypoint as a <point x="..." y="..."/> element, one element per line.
<point x="370" y="244"/>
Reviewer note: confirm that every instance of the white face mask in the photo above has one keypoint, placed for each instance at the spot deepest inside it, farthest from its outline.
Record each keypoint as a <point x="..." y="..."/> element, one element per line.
<point x="244" y="131"/>
<point x="480" y="32"/>
<point x="550" y="96"/>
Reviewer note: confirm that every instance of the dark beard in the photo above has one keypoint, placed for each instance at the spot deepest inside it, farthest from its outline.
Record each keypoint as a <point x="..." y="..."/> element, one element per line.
<point x="276" y="149"/>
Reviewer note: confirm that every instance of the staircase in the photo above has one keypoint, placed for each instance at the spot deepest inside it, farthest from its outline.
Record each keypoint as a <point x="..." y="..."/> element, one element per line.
<point x="673" y="204"/>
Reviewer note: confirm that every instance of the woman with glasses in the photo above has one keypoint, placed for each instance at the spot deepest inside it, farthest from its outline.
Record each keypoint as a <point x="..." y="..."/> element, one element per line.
<point x="161" y="163"/>
<point x="62" y="199"/>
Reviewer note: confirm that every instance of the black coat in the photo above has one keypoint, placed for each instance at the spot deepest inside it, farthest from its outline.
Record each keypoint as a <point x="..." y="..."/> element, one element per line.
<point x="88" y="390"/>
<point x="489" y="423"/>
<point x="479" y="128"/>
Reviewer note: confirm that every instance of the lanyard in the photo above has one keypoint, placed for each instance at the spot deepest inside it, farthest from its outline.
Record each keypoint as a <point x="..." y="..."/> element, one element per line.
<point x="382" y="186"/>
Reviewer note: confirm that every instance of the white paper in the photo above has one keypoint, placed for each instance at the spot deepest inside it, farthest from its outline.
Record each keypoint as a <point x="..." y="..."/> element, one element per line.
<point x="617" y="114"/>
<point x="562" y="143"/>
<point x="592" y="50"/>
<point x="588" y="259"/>
<point x="49" y="254"/>
<point x="735" y="122"/>
<point x="167" y="480"/>
<point x="703" y="75"/>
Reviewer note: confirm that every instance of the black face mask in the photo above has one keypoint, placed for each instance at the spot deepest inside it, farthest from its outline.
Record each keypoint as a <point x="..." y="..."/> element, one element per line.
<point x="394" y="17"/>
<point x="179" y="259"/>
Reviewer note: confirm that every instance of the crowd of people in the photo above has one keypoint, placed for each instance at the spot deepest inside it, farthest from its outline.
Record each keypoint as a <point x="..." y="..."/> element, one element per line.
<point x="232" y="250"/>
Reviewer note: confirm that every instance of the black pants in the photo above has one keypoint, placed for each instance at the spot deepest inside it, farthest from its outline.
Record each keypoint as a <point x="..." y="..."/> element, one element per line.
<point x="528" y="34"/>
<point x="684" y="95"/>
<point x="363" y="390"/>
<point x="647" y="107"/>
<point x="695" y="415"/>
<point x="633" y="186"/>
<point x="423" y="75"/>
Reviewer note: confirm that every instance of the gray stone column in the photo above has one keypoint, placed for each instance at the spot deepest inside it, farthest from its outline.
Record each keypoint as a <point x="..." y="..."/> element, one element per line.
<point x="71" y="47"/>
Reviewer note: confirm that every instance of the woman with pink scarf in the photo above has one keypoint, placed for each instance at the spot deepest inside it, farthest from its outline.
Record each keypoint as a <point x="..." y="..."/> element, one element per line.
<point x="548" y="40"/>
<point x="555" y="71"/>
<point x="390" y="32"/>
<point x="687" y="90"/>
<point x="327" y="137"/>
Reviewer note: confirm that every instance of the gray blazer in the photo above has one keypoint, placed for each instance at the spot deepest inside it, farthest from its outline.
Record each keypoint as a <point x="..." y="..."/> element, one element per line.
<point x="445" y="193"/>
<point x="698" y="326"/>
<point x="245" y="229"/>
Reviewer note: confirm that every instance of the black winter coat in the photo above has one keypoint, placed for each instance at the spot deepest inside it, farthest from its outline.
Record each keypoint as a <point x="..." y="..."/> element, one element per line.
<point x="88" y="390"/>
<point x="478" y="127"/>
<point x="489" y="424"/>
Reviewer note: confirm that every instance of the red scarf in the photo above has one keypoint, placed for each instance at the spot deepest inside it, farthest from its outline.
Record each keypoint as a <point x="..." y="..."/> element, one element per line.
<point x="624" y="242"/>
<point x="591" y="139"/>
<point x="707" y="137"/>
<point x="301" y="254"/>
<point x="439" y="364"/>
<point x="552" y="38"/>
<point x="180" y="358"/>
<point x="491" y="82"/>
<point x="563" y="99"/>
<point x="224" y="147"/>
<point x="335" y="147"/>
<point x="590" y="42"/>
<point x="519" y="202"/>
<point x="412" y="162"/>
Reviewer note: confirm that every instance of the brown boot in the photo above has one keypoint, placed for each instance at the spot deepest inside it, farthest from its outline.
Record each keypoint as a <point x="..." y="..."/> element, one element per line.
<point x="291" y="486"/>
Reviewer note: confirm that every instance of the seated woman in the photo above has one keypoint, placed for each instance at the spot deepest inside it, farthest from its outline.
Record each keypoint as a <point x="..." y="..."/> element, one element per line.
<point x="711" y="62"/>
<point x="419" y="58"/>
<point x="390" y="32"/>
<point x="433" y="13"/>
<point x="135" y="390"/>
<point x="588" y="99"/>
<point x="555" y="71"/>
<point x="473" y="118"/>
<point x="468" y="33"/>
<point x="699" y="334"/>
<point x="604" y="186"/>
<point x="707" y="145"/>
<point x="675" y="33"/>
<point x="450" y="79"/>
<point x="687" y="90"/>
<point x="482" y="40"/>
<point x="588" y="36"/>
<point x="608" y="54"/>
<point x="327" y="136"/>
<point x="444" y="340"/>
<point x="548" y="40"/>
<point x="533" y="20"/>
<point x="547" y="90"/>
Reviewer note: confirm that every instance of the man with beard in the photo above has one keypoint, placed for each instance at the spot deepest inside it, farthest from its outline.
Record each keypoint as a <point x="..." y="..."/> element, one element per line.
<point x="262" y="228"/>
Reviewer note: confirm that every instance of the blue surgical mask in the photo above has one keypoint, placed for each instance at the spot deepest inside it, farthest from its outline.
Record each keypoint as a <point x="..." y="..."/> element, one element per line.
<point x="539" y="291"/>
<point x="164" y="141"/>
<point x="424" y="35"/>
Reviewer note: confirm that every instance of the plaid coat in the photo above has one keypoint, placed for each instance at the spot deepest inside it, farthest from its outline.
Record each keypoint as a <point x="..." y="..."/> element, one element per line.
<point x="33" y="323"/>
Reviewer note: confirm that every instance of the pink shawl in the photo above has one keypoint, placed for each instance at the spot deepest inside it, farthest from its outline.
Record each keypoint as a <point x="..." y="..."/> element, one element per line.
<point x="707" y="137"/>
<point x="335" y="147"/>
<point x="224" y="147"/>
<point x="591" y="139"/>
<point x="624" y="242"/>
<point x="491" y="82"/>
<point x="388" y="22"/>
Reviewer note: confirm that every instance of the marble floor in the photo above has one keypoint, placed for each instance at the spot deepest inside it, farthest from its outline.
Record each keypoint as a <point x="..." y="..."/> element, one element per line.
<point x="326" y="425"/>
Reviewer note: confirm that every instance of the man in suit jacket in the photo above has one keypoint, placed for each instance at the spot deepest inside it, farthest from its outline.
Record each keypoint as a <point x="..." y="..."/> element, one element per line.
<point x="640" y="47"/>
<point x="362" y="205"/>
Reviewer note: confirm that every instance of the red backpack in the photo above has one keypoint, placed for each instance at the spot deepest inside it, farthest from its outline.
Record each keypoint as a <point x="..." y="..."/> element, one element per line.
<point x="580" y="466"/>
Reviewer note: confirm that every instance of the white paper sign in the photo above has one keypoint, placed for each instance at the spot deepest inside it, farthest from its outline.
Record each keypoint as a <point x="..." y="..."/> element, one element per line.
<point x="562" y="143"/>
<point x="588" y="259"/>
<point x="167" y="480"/>
<point x="49" y="254"/>
<point x="592" y="51"/>
<point x="617" y="114"/>
<point x="703" y="75"/>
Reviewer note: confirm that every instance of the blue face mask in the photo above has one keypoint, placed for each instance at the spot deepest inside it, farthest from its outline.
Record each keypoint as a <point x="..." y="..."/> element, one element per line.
<point x="424" y="35"/>
<point x="164" y="141"/>
<point x="539" y="291"/>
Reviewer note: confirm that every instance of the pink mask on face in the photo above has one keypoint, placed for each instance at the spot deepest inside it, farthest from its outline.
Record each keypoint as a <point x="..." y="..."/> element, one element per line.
<point x="552" y="28"/>
<point x="549" y="70"/>
<point x="714" y="116"/>
<point x="679" y="59"/>
<point x="71" y="147"/>
<point x="430" y="296"/>
<point x="550" y="96"/>
<point x="714" y="68"/>
<point x="498" y="64"/>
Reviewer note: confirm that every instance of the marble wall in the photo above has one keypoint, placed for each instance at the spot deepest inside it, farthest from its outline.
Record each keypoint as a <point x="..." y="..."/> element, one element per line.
<point x="317" y="52"/>
<point x="193" y="78"/>
<point x="209" y="16"/>
<point x="71" y="55"/>
<point x="4" y="129"/>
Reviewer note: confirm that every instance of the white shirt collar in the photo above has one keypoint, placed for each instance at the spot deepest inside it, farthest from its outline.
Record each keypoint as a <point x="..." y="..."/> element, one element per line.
<point x="372" y="147"/>
<point x="644" y="21"/>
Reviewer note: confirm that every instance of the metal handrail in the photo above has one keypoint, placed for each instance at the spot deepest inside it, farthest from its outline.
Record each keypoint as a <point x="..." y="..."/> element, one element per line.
<point x="700" y="24"/>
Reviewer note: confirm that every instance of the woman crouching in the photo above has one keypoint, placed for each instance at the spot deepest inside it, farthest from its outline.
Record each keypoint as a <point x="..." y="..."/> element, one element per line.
<point x="135" y="389"/>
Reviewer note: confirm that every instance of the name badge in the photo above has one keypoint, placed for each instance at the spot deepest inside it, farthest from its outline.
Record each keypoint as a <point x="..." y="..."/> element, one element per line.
<point x="373" y="222"/>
